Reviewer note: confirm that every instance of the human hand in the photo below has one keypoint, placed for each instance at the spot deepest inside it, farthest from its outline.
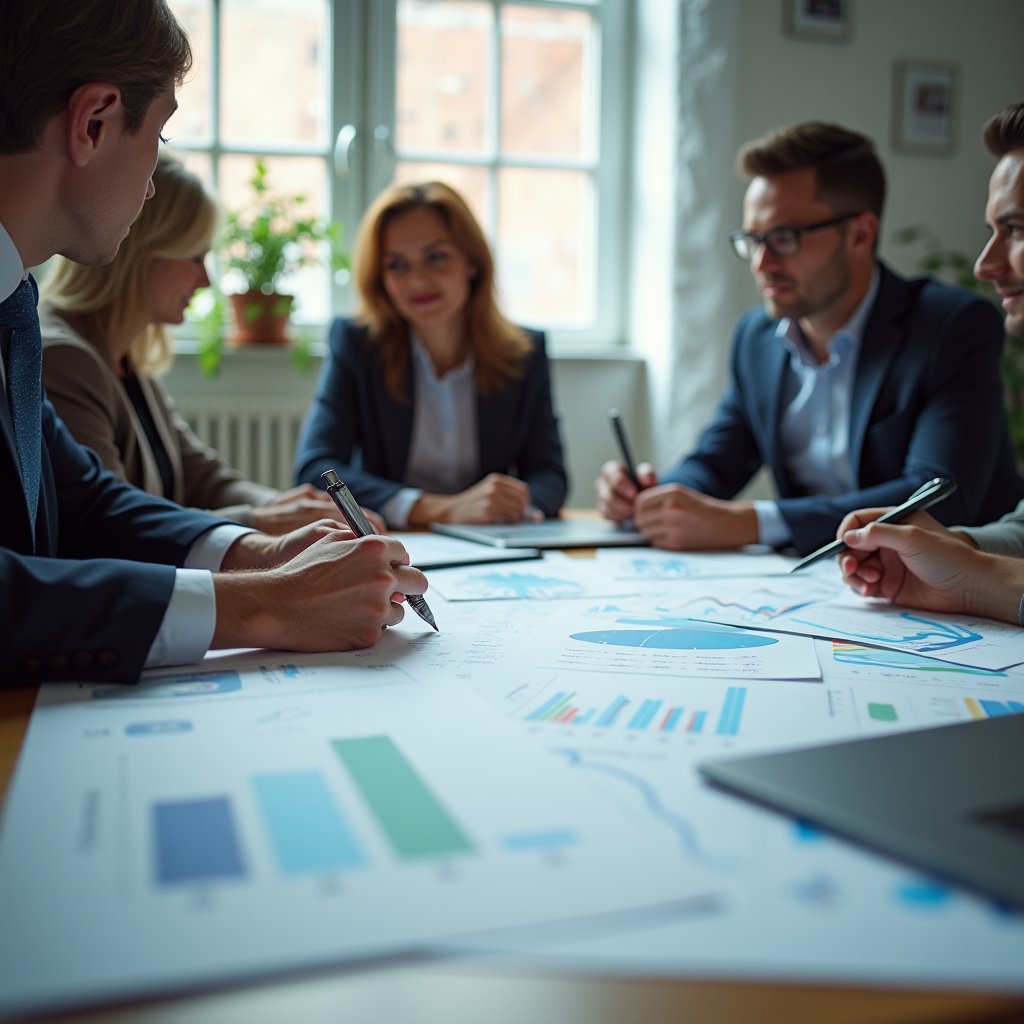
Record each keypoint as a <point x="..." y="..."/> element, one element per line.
<point x="495" y="499"/>
<point x="264" y="551"/>
<point x="291" y="509"/>
<point x="616" y="492"/>
<point x="337" y="594"/>
<point x="926" y="566"/>
<point x="680" y="519"/>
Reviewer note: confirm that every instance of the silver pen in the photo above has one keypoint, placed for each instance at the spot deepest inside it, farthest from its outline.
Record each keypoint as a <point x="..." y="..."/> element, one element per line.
<point x="360" y="526"/>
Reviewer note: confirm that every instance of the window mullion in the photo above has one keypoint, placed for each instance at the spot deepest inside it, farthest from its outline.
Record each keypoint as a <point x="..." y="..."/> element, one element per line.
<point x="215" y="96"/>
<point x="494" y="119"/>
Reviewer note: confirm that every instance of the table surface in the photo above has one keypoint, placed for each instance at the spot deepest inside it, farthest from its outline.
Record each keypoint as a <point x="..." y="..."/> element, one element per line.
<point x="461" y="993"/>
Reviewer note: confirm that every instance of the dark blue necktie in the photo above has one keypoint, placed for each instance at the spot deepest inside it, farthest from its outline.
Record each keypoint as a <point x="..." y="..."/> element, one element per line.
<point x="25" y="387"/>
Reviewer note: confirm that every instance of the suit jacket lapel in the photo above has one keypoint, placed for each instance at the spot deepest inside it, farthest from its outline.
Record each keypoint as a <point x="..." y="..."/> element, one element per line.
<point x="878" y="349"/>
<point x="158" y="410"/>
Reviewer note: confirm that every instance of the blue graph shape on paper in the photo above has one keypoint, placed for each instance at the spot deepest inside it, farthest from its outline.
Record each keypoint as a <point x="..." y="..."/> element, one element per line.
<point x="196" y="842"/>
<point x="528" y="584"/>
<point x="676" y="639"/>
<point x="944" y="636"/>
<point x="875" y="657"/>
<point x="191" y="684"/>
<point x="664" y="567"/>
<point x="763" y="605"/>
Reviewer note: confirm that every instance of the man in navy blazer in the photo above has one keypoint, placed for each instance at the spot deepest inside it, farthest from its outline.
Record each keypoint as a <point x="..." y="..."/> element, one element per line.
<point x="852" y="384"/>
<point x="98" y="579"/>
<point x="356" y="426"/>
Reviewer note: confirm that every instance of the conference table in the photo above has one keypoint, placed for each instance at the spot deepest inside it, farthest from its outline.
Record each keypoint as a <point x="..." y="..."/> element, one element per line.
<point x="464" y="992"/>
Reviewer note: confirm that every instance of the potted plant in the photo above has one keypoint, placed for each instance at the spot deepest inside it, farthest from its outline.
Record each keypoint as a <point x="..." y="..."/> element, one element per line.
<point x="264" y="242"/>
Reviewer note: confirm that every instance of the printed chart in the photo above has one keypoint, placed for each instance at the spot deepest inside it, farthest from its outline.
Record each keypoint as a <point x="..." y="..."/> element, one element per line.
<point x="669" y="566"/>
<point x="544" y="580"/>
<point x="333" y="802"/>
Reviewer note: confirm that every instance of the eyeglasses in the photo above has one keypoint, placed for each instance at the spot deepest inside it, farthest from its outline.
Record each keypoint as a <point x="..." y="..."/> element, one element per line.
<point x="781" y="241"/>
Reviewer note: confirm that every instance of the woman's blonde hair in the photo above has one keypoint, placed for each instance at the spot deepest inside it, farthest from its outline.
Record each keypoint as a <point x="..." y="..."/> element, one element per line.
<point x="178" y="222"/>
<point x="499" y="346"/>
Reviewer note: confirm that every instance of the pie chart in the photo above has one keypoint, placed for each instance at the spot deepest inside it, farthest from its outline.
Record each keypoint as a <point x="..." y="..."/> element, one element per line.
<point x="675" y="639"/>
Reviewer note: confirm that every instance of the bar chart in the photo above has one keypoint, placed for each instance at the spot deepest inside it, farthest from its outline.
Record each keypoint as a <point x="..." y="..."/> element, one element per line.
<point x="646" y="715"/>
<point x="980" y="708"/>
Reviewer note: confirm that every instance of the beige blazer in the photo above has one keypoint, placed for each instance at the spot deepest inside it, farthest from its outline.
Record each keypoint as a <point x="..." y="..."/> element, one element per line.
<point x="91" y="400"/>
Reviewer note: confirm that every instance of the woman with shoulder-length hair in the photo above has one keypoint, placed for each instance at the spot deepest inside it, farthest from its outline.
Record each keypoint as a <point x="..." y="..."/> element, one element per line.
<point x="104" y="345"/>
<point x="431" y="405"/>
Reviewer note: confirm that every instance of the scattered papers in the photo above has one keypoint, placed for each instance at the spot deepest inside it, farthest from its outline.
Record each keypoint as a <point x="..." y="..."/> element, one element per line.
<point x="264" y="815"/>
<point x="435" y="551"/>
<point x="671" y="566"/>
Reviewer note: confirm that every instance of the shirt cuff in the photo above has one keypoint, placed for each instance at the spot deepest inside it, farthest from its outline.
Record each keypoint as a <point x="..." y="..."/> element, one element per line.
<point x="397" y="508"/>
<point x="208" y="550"/>
<point x="772" y="528"/>
<point x="187" y="630"/>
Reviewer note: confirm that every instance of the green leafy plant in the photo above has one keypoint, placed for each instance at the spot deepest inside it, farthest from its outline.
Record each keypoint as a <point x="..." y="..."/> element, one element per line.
<point x="958" y="268"/>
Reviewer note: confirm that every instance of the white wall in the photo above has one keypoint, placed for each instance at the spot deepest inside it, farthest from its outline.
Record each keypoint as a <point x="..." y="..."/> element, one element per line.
<point x="735" y="77"/>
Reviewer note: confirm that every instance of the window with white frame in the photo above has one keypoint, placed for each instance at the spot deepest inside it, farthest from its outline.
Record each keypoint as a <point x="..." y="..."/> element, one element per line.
<point x="520" y="106"/>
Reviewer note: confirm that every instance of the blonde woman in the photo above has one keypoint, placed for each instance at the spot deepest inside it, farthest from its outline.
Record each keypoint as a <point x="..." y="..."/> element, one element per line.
<point x="104" y="345"/>
<point x="431" y="405"/>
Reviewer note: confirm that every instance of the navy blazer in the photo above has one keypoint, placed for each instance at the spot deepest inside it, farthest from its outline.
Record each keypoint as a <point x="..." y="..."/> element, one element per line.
<point x="356" y="427"/>
<point x="78" y="608"/>
<point x="927" y="401"/>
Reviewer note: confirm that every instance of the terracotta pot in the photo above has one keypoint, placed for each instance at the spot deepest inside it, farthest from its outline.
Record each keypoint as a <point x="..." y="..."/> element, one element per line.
<point x="260" y="319"/>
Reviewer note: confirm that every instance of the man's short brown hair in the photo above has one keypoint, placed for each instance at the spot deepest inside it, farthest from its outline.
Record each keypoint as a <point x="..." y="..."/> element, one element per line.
<point x="48" y="48"/>
<point x="850" y="175"/>
<point x="1004" y="132"/>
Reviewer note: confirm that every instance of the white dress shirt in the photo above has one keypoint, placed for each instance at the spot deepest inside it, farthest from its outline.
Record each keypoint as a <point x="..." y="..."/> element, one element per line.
<point x="444" y="452"/>
<point x="189" y="621"/>
<point x="814" y="432"/>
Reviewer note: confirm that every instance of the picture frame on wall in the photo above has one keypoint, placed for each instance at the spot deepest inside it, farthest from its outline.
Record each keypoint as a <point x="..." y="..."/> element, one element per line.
<point x="819" y="21"/>
<point x="925" y="106"/>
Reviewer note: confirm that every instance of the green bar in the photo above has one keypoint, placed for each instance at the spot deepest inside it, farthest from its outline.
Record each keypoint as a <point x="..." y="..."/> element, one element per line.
<point x="410" y="815"/>
<point x="882" y="712"/>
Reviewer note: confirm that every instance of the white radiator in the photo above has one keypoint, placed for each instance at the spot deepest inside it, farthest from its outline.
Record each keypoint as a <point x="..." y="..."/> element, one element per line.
<point x="257" y="434"/>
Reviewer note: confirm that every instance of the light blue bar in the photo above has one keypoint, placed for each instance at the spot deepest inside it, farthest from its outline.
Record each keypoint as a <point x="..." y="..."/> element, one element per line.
<point x="994" y="708"/>
<point x="726" y="714"/>
<point x="612" y="712"/>
<point x="673" y="720"/>
<point x="643" y="717"/>
<point x="539" y="841"/>
<point x="544" y="708"/>
<point x="583" y="719"/>
<point x="698" y="721"/>
<point x="306" y="828"/>
<point x="1015" y="705"/>
<point x="737" y="710"/>
<point x="196" y="842"/>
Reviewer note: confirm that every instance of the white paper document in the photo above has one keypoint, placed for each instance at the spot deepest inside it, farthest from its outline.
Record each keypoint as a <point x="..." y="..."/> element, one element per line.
<point x="670" y="566"/>
<point x="817" y="607"/>
<point x="435" y="551"/>
<point x="261" y="814"/>
<point x="554" y="577"/>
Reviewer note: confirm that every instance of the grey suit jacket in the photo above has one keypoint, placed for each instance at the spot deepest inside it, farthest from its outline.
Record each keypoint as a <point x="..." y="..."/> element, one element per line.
<point x="90" y="399"/>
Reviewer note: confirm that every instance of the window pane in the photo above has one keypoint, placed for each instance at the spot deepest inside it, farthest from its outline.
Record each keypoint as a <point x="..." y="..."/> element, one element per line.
<point x="302" y="175"/>
<point x="443" y="59"/>
<point x="546" y="243"/>
<point x="199" y="164"/>
<point x="545" y="80"/>
<point x="273" y="71"/>
<point x="192" y="120"/>
<point x="470" y="182"/>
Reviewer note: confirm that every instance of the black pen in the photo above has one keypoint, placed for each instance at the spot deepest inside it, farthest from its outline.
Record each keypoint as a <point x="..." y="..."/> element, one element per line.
<point x="924" y="497"/>
<point x="627" y="454"/>
<point x="360" y="526"/>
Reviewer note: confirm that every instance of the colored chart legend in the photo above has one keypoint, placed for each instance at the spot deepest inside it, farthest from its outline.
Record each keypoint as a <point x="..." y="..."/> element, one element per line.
<point x="196" y="842"/>
<point x="648" y="715"/>
<point x="993" y="708"/>
<point x="413" y="819"/>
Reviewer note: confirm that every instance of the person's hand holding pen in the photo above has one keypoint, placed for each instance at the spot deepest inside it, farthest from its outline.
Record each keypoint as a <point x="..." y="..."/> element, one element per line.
<point x="616" y="492"/>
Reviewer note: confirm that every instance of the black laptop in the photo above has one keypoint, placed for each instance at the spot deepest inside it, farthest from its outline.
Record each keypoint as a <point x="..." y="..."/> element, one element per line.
<point x="949" y="801"/>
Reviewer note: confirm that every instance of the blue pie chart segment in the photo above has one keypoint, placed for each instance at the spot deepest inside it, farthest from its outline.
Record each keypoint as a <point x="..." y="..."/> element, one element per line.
<point x="675" y="639"/>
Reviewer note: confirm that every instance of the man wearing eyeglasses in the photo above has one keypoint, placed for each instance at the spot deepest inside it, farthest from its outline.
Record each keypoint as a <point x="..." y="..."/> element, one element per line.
<point x="854" y="385"/>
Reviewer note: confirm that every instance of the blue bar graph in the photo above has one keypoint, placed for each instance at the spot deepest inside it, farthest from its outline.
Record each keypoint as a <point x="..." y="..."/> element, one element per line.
<point x="583" y="719"/>
<point x="732" y="710"/>
<point x="697" y="722"/>
<point x="195" y="842"/>
<point x="995" y="708"/>
<point x="307" y="830"/>
<point x="671" y="720"/>
<point x="1015" y="705"/>
<point x="612" y="712"/>
<point x="643" y="717"/>
<point x="545" y="707"/>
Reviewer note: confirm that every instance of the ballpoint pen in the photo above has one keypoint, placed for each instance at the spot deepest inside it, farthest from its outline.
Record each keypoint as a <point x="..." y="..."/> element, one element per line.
<point x="360" y="526"/>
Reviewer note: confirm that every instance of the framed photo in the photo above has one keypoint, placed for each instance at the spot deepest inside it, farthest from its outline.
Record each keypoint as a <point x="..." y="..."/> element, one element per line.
<point x="925" y="103"/>
<point x="820" y="21"/>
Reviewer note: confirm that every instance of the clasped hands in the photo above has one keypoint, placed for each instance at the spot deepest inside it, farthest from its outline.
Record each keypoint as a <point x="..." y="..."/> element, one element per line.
<point x="673" y="516"/>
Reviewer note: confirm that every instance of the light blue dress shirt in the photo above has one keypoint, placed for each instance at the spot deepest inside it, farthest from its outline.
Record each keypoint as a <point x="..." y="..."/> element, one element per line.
<point x="444" y="453"/>
<point x="814" y="432"/>
<point x="190" y="619"/>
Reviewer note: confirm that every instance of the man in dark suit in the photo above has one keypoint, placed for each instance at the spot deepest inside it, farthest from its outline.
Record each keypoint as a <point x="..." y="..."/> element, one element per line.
<point x="97" y="579"/>
<point x="853" y="385"/>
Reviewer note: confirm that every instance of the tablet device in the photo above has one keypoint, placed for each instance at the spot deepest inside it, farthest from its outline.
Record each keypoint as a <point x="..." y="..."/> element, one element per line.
<point x="434" y="551"/>
<point x="949" y="801"/>
<point x="551" y="533"/>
